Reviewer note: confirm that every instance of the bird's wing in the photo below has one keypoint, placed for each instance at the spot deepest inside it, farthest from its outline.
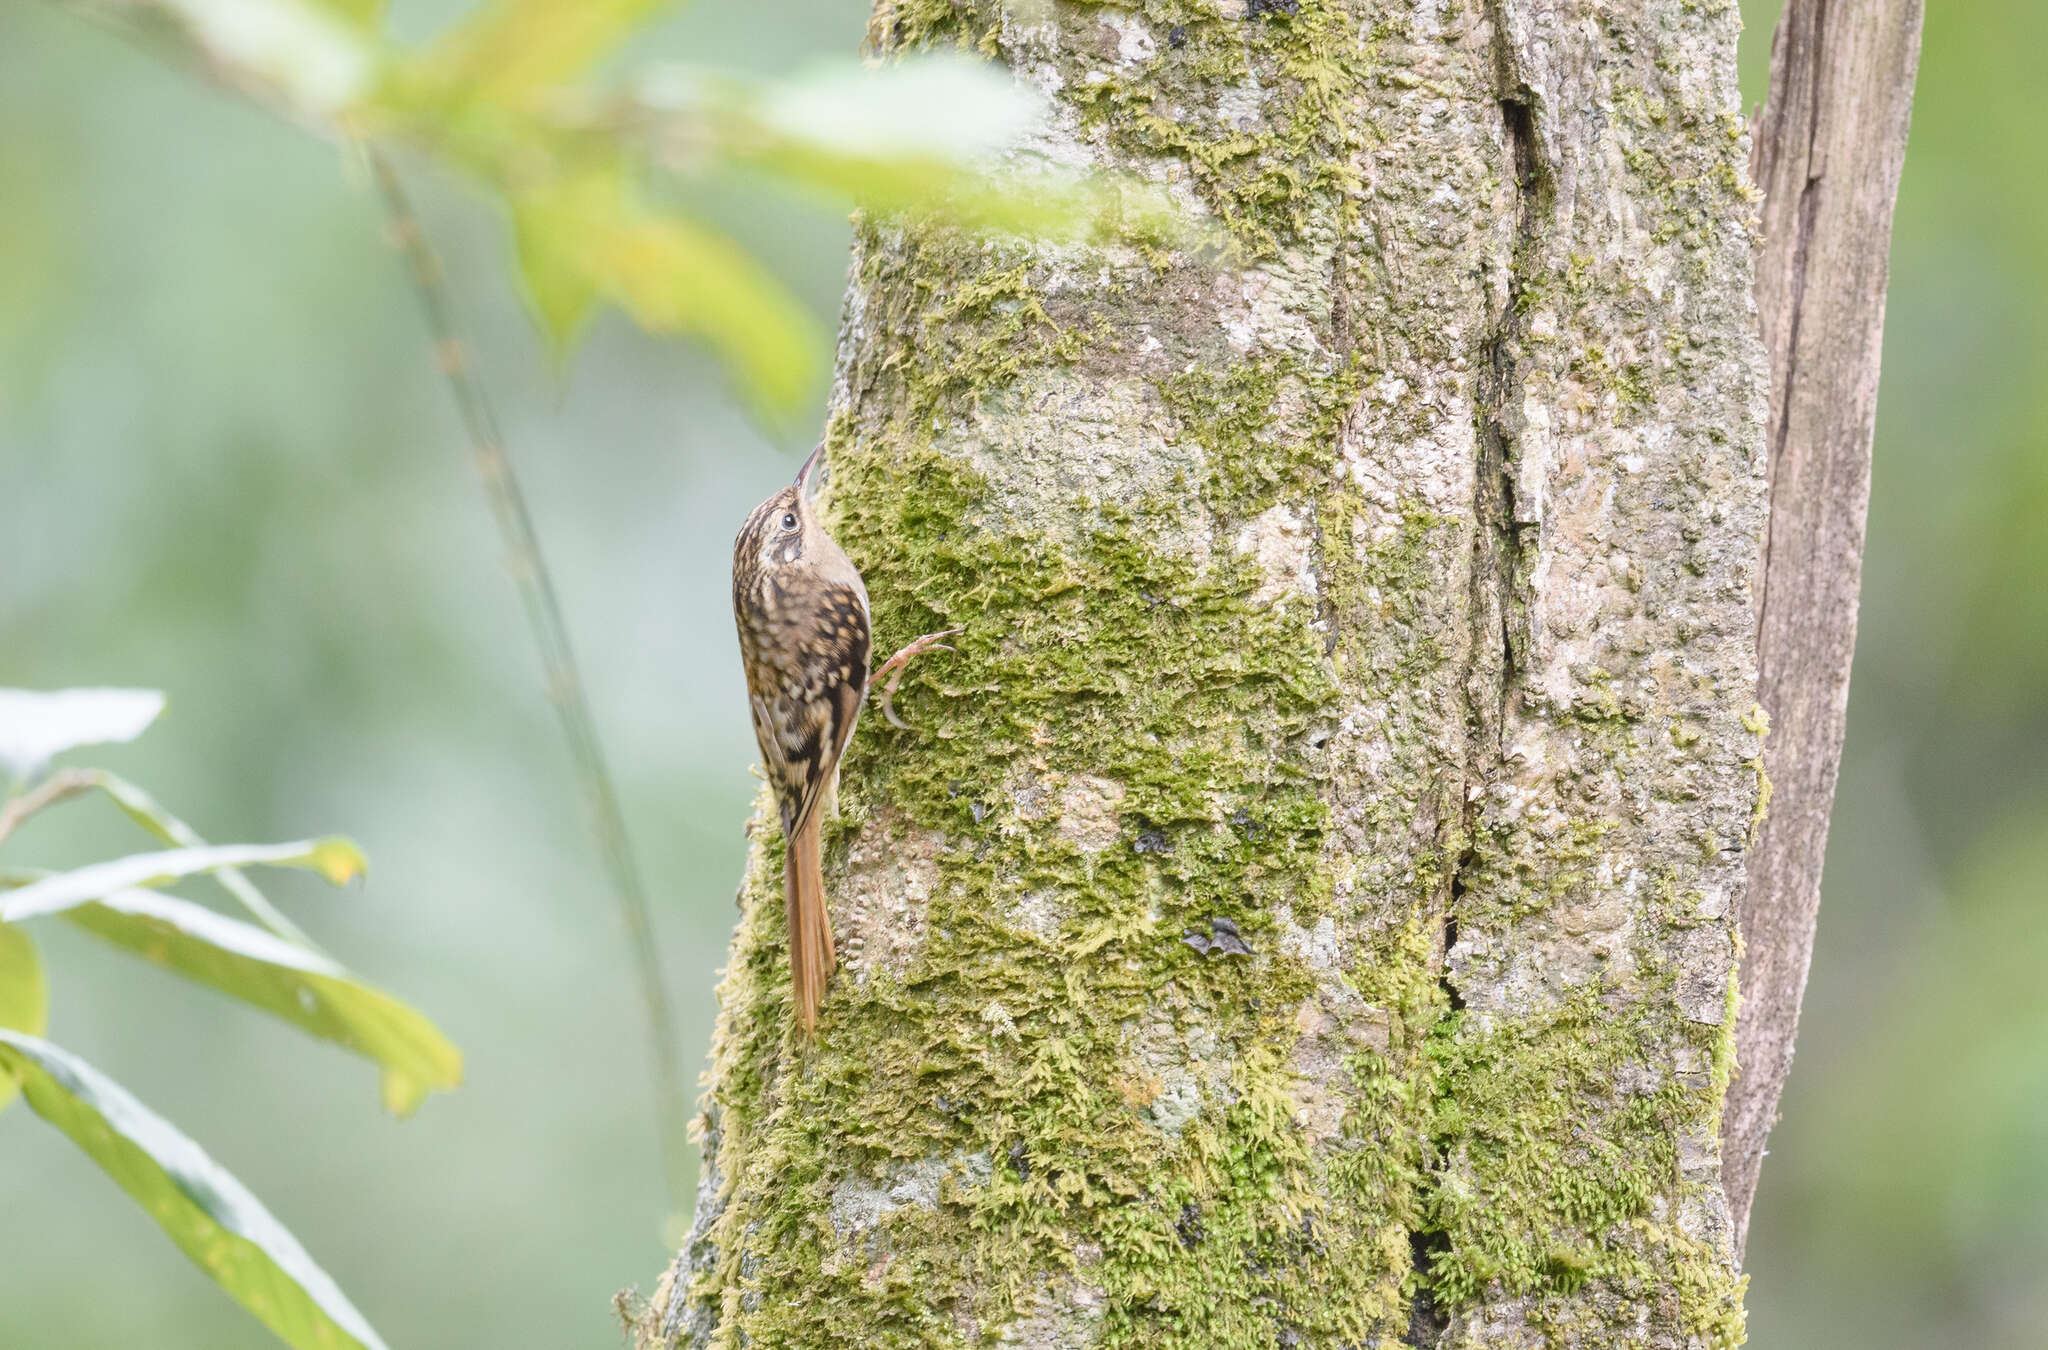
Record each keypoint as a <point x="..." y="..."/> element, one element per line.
<point x="804" y="725"/>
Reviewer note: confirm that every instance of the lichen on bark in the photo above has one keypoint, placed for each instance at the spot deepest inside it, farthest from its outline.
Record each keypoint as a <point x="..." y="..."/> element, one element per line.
<point x="1375" y="587"/>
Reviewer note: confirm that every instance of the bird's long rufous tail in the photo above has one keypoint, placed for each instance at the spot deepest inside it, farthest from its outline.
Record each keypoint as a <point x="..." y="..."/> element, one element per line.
<point x="810" y="928"/>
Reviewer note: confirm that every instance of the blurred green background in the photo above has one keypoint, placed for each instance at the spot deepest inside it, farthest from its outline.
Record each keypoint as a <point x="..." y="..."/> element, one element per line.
<point x="228" y="471"/>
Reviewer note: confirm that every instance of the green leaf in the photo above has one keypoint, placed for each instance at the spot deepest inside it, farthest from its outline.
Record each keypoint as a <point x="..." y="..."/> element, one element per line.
<point x="674" y="276"/>
<point x="671" y="275"/>
<point x="510" y="49"/>
<point x="210" y="1215"/>
<point x="24" y="995"/>
<point x="38" y="725"/>
<point x="304" y="988"/>
<point x="335" y="858"/>
<point x="559" y="290"/>
<point x="366" y="15"/>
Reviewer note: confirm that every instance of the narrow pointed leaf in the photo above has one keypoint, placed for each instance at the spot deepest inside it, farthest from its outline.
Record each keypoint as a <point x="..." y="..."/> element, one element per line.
<point x="674" y="275"/>
<point x="36" y="725"/>
<point x="24" y="995"/>
<point x="586" y="236"/>
<point x="200" y="1206"/>
<point x="304" y="988"/>
<point x="559" y="291"/>
<point x="140" y="807"/>
<point x="509" y="49"/>
<point x="335" y="858"/>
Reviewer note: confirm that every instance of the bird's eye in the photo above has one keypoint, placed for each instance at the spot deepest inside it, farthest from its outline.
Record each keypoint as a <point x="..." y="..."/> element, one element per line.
<point x="789" y="520"/>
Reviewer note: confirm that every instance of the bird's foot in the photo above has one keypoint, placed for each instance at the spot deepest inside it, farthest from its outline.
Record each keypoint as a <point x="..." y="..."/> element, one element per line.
<point x="894" y="667"/>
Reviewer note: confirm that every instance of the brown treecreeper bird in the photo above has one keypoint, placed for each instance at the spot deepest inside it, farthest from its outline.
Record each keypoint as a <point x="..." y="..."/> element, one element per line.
<point x="804" y="639"/>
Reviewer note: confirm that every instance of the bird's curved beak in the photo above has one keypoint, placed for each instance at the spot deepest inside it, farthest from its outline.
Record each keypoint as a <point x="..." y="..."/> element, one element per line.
<point x="803" y="475"/>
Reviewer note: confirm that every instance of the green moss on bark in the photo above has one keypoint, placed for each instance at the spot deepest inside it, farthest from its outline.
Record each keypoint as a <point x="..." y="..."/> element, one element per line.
<point x="1552" y="1189"/>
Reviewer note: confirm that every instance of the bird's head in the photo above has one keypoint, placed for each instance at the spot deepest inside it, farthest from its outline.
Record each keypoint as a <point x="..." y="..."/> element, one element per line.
<point x="783" y="531"/>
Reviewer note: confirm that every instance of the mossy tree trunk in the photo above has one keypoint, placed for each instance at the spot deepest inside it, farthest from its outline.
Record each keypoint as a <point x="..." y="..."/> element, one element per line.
<point x="1374" y="595"/>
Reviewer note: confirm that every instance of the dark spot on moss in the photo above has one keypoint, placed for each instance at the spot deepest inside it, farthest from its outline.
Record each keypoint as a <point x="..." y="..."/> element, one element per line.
<point x="1222" y="939"/>
<point x="1150" y="839"/>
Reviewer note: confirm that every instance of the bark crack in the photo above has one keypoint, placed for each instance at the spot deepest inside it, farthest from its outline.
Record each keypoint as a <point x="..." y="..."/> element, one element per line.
<point x="1495" y="605"/>
<point x="1497" y="544"/>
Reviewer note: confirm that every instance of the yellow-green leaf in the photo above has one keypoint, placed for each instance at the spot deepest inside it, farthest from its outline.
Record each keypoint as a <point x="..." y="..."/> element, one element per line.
<point x="674" y="275"/>
<point x="304" y="988"/>
<point x="671" y="275"/>
<point x="367" y="15"/>
<point x="24" y="995"/>
<point x="510" y="49"/>
<point x="559" y="291"/>
<point x="338" y="859"/>
<point x="335" y="858"/>
<point x="402" y="1094"/>
<point x="199" y="1204"/>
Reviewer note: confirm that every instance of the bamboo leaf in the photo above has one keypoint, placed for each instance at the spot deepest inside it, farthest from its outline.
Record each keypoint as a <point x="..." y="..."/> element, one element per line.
<point x="510" y="49"/>
<point x="200" y="1206"/>
<point x="24" y="995"/>
<point x="334" y="857"/>
<point x="304" y="988"/>
<point x="37" y="725"/>
<point x="559" y="289"/>
<point x="671" y="275"/>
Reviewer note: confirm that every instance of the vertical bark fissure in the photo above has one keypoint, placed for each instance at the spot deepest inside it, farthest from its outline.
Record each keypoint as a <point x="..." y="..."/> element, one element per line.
<point x="1496" y="564"/>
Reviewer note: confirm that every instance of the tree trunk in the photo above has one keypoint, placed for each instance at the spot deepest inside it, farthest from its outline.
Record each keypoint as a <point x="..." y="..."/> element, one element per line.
<point x="1829" y="149"/>
<point x="1302" y="913"/>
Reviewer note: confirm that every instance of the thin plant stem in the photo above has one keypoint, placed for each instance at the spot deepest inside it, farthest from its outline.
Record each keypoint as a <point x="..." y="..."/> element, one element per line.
<point x="19" y="806"/>
<point x="558" y="661"/>
<point x="145" y="811"/>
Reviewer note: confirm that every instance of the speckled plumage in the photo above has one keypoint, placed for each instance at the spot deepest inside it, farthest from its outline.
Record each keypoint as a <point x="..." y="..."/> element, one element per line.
<point x="804" y="635"/>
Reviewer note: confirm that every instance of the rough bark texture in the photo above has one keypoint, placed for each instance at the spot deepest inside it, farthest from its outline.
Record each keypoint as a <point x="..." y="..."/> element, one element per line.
<point x="1829" y="148"/>
<point x="1373" y="594"/>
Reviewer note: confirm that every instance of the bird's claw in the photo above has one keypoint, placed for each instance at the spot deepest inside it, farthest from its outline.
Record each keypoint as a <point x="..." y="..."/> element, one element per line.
<point x="895" y="665"/>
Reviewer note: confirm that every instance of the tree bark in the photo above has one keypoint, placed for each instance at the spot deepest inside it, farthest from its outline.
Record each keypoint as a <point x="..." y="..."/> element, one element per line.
<point x="1302" y="913"/>
<point x="1829" y="148"/>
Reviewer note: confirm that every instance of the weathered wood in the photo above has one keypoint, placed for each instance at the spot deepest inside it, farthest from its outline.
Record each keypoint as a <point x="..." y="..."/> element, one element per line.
<point x="1828" y="151"/>
<point x="1374" y="594"/>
